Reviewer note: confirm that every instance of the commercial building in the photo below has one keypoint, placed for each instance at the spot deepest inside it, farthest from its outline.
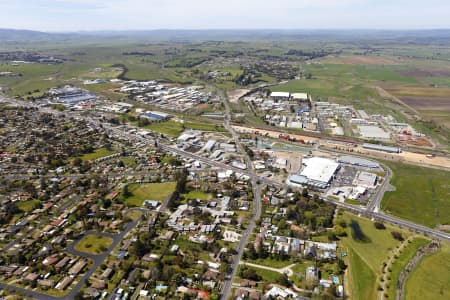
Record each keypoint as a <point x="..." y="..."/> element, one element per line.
<point x="156" y="116"/>
<point x="318" y="173"/>
<point x="319" y="170"/>
<point x="356" y="161"/>
<point x="382" y="148"/>
<point x="283" y="96"/>
<point x="366" y="179"/>
<point x="300" y="96"/>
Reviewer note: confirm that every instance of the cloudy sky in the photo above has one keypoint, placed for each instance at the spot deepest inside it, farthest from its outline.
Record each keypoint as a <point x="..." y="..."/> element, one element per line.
<point x="77" y="15"/>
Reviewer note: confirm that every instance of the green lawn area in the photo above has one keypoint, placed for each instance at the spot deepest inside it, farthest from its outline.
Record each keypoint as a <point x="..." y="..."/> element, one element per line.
<point x="149" y="191"/>
<point x="362" y="278"/>
<point x="270" y="262"/>
<point x="400" y="263"/>
<point x="198" y="195"/>
<point x="366" y="257"/>
<point x="27" y="206"/>
<point x="98" y="153"/>
<point x="267" y="275"/>
<point x="431" y="278"/>
<point x="93" y="244"/>
<point x="428" y="203"/>
<point x="174" y="129"/>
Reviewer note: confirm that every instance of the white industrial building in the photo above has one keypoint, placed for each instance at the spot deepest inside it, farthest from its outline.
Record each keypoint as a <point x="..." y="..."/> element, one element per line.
<point x="319" y="169"/>
<point x="300" y="96"/>
<point x="280" y="96"/>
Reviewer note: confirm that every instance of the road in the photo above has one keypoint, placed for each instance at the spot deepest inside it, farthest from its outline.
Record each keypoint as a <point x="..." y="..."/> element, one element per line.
<point x="256" y="187"/>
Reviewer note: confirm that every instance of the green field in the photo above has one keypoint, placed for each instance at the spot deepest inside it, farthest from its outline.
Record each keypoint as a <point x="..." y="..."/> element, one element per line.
<point x="400" y="263"/>
<point x="422" y="195"/>
<point x="93" y="244"/>
<point x="98" y="153"/>
<point x="198" y="195"/>
<point x="149" y="191"/>
<point x="27" y="206"/>
<point x="431" y="278"/>
<point x="174" y="129"/>
<point x="362" y="283"/>
<point x="366" y="256"/>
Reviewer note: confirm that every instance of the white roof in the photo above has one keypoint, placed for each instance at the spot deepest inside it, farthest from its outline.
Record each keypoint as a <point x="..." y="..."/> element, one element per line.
<point x="301" y="96"/>
<point x="319" y="169"/>
<point x="280" y="94"/>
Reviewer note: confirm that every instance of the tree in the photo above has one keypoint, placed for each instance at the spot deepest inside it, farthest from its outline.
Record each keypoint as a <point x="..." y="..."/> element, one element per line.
<point x="379" y="225"/>
<point x="126" y="193"/>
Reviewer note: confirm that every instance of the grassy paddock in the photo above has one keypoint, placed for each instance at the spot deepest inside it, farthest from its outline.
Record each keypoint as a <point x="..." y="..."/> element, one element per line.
<point x="422" y="195"/>
<point x="149" y="191"/>
<point x="431" y="278"/>
<point x="367" y="249"/>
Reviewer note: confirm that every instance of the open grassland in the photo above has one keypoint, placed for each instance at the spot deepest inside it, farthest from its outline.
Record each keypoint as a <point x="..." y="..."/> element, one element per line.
<point x="367" y="249"/>
<point x="93" y="244"/>
<point x="98" y="153"/>
<point x="422" y="195"/>
<point x="431" y="277"/>
<point x="148" y="191"/>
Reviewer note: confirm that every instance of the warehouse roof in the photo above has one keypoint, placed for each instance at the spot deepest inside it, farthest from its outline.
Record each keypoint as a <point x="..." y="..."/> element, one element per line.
<point x="300" y="96"/>
<point x="280" y="94"/>
<point x="319" y="169"/>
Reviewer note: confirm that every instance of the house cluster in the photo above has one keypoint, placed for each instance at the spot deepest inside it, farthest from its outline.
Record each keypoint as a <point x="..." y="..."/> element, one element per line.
<point x="42" y="141"/>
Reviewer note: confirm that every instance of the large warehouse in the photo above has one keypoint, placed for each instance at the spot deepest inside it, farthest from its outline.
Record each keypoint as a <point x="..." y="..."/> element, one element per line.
<point x="319" y="171"/>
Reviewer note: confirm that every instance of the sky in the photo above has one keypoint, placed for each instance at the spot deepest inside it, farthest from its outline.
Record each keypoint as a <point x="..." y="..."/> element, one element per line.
<point x="86" y="15"/>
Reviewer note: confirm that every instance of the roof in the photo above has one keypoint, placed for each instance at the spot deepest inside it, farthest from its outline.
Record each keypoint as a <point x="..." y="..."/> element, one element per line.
<point x="358" y="161"/>
<point x="382" y="148"/>
<point x="280" y="94"/>
<point x="319" y="169"/>
<point x="300" y="96"/>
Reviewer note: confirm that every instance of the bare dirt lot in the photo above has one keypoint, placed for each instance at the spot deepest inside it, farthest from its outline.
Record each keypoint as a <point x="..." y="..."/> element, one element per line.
<point x="235" y="95"/>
